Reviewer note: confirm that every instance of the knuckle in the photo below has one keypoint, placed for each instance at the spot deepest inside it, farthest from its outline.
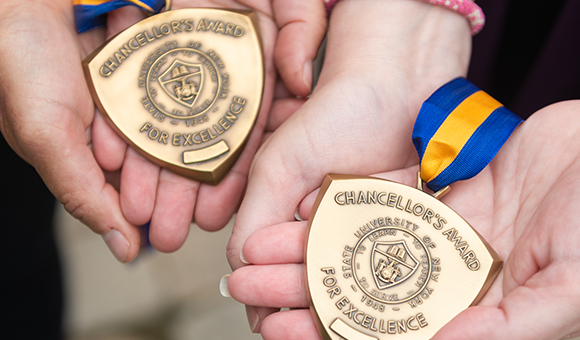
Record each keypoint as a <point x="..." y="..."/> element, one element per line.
<point x="232" y="253"/>
<point x="74" y="205"/>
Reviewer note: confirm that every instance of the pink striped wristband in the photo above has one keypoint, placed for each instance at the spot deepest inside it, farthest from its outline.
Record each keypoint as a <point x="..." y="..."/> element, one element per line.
<point x="329" y="4"/>
<point x="467" y="8"/>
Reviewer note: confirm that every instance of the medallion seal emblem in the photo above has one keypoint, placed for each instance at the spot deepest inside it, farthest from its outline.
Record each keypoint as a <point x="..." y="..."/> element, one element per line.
<point x="184" y="83"/>
<point x="399" y="272"/>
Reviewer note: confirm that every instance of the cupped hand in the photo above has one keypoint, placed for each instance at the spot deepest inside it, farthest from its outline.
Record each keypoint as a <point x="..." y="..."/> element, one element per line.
<point x="47" y="111"/>
<point x="383" y="60"/>
<point x="523" y="204"/>
<point x="48" y="117"/>
<point x="170" y="201"/>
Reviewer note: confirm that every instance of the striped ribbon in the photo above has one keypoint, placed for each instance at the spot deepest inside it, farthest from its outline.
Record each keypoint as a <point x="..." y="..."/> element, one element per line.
<point x="91" y="14"/>
<point x="458" y="132"/>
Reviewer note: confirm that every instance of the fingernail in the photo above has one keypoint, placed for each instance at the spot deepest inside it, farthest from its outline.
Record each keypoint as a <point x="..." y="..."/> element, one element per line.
<point x="117" y="244"/>
<point x="224" y="286"/>
<point x="308" y="76"/>
<point x="253" y="318"/>
<point x="242" y="258"/>
<point x="297" y="216"/>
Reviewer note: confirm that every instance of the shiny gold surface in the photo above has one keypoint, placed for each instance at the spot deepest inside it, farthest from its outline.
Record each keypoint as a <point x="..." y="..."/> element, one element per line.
<point x="168" y="4"/>
<point x="183" y="87"/>
<point x="388" y="261"/>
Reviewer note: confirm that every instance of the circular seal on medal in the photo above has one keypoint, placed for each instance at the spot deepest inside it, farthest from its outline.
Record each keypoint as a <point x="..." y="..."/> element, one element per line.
<point x="391" y="265"/>
<point x="184" y="82"/>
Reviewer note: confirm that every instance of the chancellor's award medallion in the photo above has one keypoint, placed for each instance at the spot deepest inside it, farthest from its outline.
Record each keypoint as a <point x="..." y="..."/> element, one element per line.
<point x="389" y="261"/>
<point x="183" y="87"/>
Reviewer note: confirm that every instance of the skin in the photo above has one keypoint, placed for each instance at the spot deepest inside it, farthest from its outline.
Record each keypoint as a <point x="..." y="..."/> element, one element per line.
<point x="88" y="168"/>
<point x="523" y="204"/>
<point x="374" y="79"/>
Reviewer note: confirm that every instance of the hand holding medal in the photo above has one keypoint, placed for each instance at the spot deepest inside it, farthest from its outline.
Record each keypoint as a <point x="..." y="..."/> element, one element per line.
<point x="183" y="88"/>
<point x="528" y="219"/>
<point x="490" y="202"/>
<point x="363" y="108"/>
<point x="76" y="151"/>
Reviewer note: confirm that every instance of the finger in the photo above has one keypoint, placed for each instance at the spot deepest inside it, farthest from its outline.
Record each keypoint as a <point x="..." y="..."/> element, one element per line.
<point x="79" y="184"/>
<point x="305" y="207"/>
<point x="256" y="315"/>
<point x="290" y="325"/>
<point x="281" y="91"/>
<point x="108" y="147"/>
<point x="274" y="195"/>
<point x="281" y="110"/>
<point x="305" y="19"/>
<point x="263" y="209"/>
<point x="253" y="285"/>
<point x="279" y="244"/>
<point x="171" y="220"/>
<point x="218" y="203"/>
<point x="138" y="187"/>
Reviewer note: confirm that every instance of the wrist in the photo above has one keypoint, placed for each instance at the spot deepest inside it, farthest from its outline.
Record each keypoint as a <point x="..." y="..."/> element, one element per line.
<point x="467" y="8"/>
<point x="400" y="42"/>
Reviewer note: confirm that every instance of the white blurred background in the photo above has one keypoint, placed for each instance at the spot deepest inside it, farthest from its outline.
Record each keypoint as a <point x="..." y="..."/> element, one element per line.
<point x="158" y="296"/>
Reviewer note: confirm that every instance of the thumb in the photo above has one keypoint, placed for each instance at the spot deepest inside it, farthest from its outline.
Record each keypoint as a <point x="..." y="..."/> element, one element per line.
<point x="305" y="19"/>
<point x="74" y="177"/>
<point x="50" y="129"/>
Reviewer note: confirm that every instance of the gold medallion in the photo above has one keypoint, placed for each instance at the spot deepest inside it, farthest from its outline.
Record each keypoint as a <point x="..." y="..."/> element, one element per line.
<point x="182" y="87"/>
<point x="388" y="261"/>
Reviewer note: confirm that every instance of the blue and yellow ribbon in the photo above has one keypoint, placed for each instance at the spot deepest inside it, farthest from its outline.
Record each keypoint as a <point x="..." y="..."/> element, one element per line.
<point x="91" y="14"/>
<point x="458" y="131"/>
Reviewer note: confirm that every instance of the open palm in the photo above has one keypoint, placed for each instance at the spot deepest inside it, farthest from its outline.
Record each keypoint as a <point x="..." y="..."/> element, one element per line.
<point x="360" y="115"/>
<point x="169" y="201"/>
<point x="523" y="203"/>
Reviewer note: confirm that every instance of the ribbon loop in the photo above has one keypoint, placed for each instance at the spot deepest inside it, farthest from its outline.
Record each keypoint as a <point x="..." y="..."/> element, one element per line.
<point x="458" y="131"/>
<point x="90" y="14"/>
